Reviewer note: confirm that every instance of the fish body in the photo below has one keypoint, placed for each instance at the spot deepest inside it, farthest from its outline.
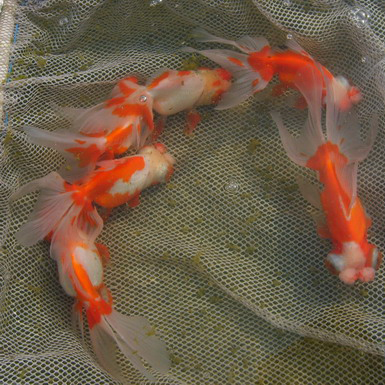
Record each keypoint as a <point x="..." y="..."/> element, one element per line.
<point x="126" y="120"/>
<point x="66" y="213"/>
<point x="336" y="160"/>
<point x="80" y="270"/>
<point x="176" y="91"/>
<point x="254" y="68"/>
<point x="101" y="132"/>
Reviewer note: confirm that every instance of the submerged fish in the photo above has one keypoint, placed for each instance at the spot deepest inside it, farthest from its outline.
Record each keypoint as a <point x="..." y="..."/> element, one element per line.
<point x="67" y="213"/>
<point x="126" y="119"/>
<point x="335" y="159"/>
<point x="176" y="91"/>
<point x="255" y="67"/>
<point x="101" y="132"/>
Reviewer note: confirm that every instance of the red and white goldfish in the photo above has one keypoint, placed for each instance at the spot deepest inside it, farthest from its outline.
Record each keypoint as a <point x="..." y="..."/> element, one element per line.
<point x="176" y="91"/>
<point x="66" y="214"/>
<point x="126" y="119"/>
<point x="335" y="159"/>
<point x="101" y="132"/>
<point x="255" y="67"/>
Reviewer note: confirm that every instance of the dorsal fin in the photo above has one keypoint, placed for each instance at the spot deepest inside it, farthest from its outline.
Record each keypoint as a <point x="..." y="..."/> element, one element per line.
<point x="245" y="44"/>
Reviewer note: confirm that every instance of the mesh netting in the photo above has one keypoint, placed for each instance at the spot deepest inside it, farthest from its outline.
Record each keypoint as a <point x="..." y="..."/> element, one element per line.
<point x="224" y="260"/>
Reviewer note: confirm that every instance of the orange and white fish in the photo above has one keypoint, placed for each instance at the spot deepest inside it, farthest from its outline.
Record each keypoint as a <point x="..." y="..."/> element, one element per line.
<point x="126" y="119"/>
<point x="176" y="91"/>
<point x="335" y="159"/>
<point x="101" y="132"/>
<point x="254" y="68"/>
<point x="66" y="212"/>
<point x="80" y="270"/>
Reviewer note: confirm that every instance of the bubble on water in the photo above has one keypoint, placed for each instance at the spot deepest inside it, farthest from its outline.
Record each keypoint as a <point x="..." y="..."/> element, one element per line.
<point x="206" y="375"/>
<point x="154" y="3"/>
<point x="361" y="16"/>
<point x="63" y="21"/>
<point x="287" y="3"/>
<point x="289" y="36"/>
<point x="232" y="186"/>
<point x="143" y="98"/>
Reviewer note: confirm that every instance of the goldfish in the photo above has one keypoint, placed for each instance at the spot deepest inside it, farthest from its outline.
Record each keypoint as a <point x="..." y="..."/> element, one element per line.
<point x="66" y="212"/>
<point x="335" y="159"/>
<point x="126" y="120"/>
<point x="255" y="67"/>
<point x="176" y="91"/>
<point x="103" y="131"/>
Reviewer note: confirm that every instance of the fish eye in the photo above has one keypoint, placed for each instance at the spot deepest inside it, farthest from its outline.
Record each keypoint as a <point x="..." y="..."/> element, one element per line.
<point x="143" y="98"/>
<point x="335" y="262"/>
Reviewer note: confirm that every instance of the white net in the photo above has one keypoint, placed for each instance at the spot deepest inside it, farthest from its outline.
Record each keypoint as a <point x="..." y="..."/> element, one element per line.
<point x="224" y="260"/>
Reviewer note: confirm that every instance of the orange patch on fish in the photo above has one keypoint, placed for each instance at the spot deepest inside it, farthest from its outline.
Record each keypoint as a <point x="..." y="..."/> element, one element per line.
<point x="115" y="101"/>
<point x="85" y="155"/>
<point x="217" y="96"/>
<point x="124" y="88"/>
<point x="326" y="156"/>
<point x="235" y="61"/>
<point x="255" y="82"/>
<point x="224" y="74"/>
<point x="260" y="62"/>
<point x="117" y="136"/>
<point x="183" y="73"/>
<point x="157" y="80"/>
<point x="101" y="184"/>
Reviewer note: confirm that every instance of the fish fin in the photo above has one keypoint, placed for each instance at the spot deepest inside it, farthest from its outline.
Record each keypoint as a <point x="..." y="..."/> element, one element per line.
<point x="69" y="113"/>
<point x="104" y="252"/>
<point x="74" y="174"/>
<point x="347" y="175"/>
<point x="245" y="44"/>
<point x="193" y="118"/>
<point x="107" y="165"/>
<point x="295" y="46"/>
<point x="247" y="81"/>
<point x="310" y="83"/>
<point x="52" y="204"/>
<point x="279" y="89"/>
<point x="135" y="338"/>
<point x="343" y="127"/>
<point x="77" y="317"/>
<point x="159" y="127"/>
<point x="125" y="87"/>
<point x="135" y="201"/>
<point x="234" y="62"/>
<point x="301" y="149"/>
<point x="104" y="346"/>
<point x="322" y="228"/>
<point x="160" y="73"/>
<point x="81" y="152"/>
<point x="241" y="89"/>
<point x="310" y="192"/>
<point x="119" y="111"/>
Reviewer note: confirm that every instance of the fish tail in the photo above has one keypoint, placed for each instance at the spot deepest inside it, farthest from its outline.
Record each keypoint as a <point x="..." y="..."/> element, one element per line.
<point x="342" y="145"/>
<point x="135" y="338"/>
<point x="51" y="207"/>
<point x="80" y="151"/>
<point x="247" y="81"/>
